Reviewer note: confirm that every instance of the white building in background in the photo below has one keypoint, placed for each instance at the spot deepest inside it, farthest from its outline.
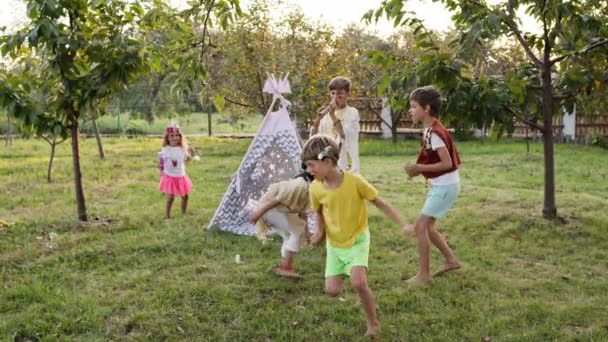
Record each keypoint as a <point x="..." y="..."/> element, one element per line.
<point x="569" y="122"/>
<point x="386" y="116"/>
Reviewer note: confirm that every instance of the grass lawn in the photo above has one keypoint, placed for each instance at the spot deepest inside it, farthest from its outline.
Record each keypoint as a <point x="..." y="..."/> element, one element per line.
<point x="130" y="276"/>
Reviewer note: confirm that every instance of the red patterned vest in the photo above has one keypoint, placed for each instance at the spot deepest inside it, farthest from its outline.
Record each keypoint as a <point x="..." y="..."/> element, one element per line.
<point x="428" y="156"/>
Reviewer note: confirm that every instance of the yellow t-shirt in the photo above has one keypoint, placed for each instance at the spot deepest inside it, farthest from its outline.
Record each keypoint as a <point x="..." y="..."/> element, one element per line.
<point x="344" y="209"/>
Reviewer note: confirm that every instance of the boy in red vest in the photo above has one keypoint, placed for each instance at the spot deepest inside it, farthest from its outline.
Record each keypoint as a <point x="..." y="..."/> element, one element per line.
<point x="438" y="162"/>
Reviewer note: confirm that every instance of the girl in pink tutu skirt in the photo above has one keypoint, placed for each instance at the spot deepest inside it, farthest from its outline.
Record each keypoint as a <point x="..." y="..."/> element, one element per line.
<point x="173" y="158"/>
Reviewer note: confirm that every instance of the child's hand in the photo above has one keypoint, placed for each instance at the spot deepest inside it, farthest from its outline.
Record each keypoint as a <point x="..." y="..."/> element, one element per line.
<point x="332" y="106"/>
<point x="411" y="170"/>
<point x="316" y="238"/>
<point x="408" y="230"/>
<point x="253" y="219"/>
<point x="322" y="110"/>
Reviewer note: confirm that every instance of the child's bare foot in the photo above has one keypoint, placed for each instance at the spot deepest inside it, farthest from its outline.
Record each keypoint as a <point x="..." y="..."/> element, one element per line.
<point x="447" y="267"/>
<point x="408" y="230"/>
<point x="417" y="281"/>
<point x="373" y="331"/>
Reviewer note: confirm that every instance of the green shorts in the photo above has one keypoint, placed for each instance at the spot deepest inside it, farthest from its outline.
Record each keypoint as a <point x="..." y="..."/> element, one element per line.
<point x="340" y="260"/>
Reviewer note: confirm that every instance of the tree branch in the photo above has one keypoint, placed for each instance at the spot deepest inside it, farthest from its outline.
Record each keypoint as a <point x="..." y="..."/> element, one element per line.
<point x="565" y="96"/>
<point x="203" y="47"/>
<point x="524" y="120"/>
<point x="582" y="51"/>
<point x="236" y="103"/>
<point x="369" y="106"/>
<point x="511" y="24"/>
<point x="558" y="25"/>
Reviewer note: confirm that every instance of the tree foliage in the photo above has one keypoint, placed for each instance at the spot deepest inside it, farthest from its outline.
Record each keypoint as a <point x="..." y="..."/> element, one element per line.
<point x="559" y="63"/>
<point x="87" y="52"/>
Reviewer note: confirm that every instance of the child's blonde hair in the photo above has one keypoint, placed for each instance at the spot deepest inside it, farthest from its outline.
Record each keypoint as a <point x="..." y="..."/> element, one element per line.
<point x="173" y="128"/>
<point x="320" y="147"/>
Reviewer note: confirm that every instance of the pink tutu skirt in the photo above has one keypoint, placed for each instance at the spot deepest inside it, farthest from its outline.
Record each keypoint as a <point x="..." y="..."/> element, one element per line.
<point x="177" y="186"/>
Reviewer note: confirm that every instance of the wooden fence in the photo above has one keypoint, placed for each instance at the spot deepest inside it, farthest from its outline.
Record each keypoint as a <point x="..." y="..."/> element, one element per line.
<point x="370" y="123"/>
<point x="591" y="125"/>
<point x="585" y="127"/>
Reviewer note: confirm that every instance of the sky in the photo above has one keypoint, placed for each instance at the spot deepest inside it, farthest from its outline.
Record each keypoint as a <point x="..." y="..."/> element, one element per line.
<point x="338" y="13"/>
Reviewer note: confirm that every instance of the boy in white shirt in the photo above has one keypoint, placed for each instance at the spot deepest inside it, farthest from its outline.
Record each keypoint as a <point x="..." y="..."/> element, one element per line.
<point x="341" y="122"/>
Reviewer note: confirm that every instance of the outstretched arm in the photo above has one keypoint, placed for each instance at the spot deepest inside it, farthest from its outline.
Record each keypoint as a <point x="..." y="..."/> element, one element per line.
<point x="192" y="154"/>
<point x="389" y="211"/>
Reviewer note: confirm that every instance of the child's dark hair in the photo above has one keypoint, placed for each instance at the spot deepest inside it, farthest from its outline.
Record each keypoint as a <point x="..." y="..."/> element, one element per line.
<point x="427" y="96"/>
<point x="320" y="147"/>
<point x="340" y="82"/>
<point x="304" y="174"/>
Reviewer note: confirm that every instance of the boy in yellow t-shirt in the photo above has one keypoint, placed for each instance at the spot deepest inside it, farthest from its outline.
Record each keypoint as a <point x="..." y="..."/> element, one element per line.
<point x="339" y="201"/>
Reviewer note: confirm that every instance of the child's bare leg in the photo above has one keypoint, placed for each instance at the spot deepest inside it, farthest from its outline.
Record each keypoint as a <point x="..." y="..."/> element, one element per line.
<point x="333" y="285"/>
<point x="289" y="249"/>
<point x="287" y="261"/>
<point x="358" y="280"/>
<point x="288" y="253"/>
<point x="450" y="260"/>
<point x="424" y="250"/>
<point x="168" y="205"/>
<point x="184" y="203"/>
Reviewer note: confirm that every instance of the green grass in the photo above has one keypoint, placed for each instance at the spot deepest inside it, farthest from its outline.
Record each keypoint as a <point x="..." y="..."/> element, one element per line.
<point x="130" y="276"/>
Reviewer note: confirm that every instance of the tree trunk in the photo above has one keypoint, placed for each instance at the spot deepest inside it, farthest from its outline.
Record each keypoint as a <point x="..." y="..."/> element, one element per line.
<point x="149" y="115"/>
<point x="549" y="208"/>
<point x="394" y="132"/>
<point x="98" y="138"/>
<point x="209" y="129"/>
<point x="82" y="210"/>
<point x="52" y="157"/>
<point x="9" y="131"/>
<point x="527" y="142"/>
<point x="395" y="125"/>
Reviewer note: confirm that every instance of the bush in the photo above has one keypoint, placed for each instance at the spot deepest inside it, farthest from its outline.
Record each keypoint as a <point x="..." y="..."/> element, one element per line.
<point x="107" y="124"/>
<point x="4" y="124"/>
<point x="137" y="127"/>
<point x="598" y="140"/>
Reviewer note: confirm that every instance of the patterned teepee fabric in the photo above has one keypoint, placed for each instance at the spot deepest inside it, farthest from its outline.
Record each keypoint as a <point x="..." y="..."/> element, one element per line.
<point x="273" y="156"/>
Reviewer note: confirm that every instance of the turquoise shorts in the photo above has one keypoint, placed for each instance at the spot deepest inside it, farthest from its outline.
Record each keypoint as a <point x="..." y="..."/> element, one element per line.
<point x="340" y="260"/>
<point x="440" y="199"/>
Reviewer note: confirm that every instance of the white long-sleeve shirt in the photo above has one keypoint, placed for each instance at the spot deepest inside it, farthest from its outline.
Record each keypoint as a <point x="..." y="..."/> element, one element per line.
<point x="350" y="144"/>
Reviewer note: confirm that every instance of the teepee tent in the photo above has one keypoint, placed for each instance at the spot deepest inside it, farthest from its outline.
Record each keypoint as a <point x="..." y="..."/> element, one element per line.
<point x="273" y="156"/>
